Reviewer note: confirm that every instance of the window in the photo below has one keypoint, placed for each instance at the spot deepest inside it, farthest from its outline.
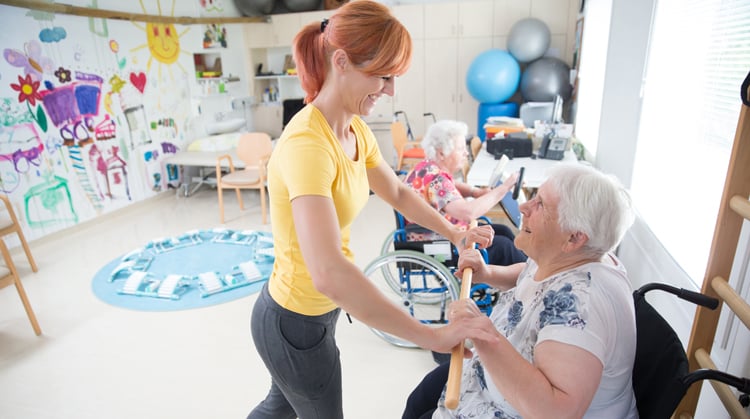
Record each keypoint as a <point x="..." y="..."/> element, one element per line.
<point x="699" y="54"/>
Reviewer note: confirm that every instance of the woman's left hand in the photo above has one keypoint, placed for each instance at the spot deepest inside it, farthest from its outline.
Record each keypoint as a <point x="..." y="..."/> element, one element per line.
<point x="466" y="310"/>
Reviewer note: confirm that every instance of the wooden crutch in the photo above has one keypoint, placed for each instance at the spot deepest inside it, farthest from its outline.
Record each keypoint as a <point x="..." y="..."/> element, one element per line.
<point x="453" y="387"/>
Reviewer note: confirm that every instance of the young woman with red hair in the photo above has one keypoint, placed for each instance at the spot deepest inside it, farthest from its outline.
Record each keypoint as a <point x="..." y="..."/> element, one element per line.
<point x="319" y="177"/>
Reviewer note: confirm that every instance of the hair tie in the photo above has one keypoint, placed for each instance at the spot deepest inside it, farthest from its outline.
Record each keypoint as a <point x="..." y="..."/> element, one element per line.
<point x="323" y="25"/>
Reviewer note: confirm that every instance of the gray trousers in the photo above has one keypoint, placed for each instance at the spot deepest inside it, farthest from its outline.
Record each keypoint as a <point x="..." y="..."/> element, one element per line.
<point x="301" y="355"/>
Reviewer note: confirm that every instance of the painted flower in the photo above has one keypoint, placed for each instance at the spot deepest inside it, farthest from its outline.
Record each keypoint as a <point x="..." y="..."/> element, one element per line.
<point x="561" y="307"/>
<point x="514" y="314"/>
<point x="63" y="75"/>
<point x="114" y="46"/>
<point x="28" y="89"/>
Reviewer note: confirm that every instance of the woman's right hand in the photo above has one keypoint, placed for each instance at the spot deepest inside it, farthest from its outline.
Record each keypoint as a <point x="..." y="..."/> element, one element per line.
<point x="472" y="259"/>
<point x="462" y="326"/>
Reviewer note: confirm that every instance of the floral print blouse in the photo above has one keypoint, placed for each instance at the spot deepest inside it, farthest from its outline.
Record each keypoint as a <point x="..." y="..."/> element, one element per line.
<point x="436" y="185"/>
<point x="589" y="306"/>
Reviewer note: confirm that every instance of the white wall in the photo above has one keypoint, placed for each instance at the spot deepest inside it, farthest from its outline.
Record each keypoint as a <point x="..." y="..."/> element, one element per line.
<point x="139" y="109"/>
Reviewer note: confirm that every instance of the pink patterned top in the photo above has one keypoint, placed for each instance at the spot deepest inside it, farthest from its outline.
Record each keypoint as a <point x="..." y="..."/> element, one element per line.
<point x="436" y="186"/>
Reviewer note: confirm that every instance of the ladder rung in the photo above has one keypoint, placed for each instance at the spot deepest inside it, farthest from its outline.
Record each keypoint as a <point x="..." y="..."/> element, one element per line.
<point x="722" y="390"/>
<point x="741" y="206"/>
<point x="739" y="306"/>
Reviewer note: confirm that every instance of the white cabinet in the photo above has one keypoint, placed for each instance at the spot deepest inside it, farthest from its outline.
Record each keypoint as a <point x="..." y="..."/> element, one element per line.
<point x="257" y="35"/>
<point x="458" y="19"/>
<point x="412" y="17"/>
<point x="284" y="28"/>
<point x="455" y="33"/>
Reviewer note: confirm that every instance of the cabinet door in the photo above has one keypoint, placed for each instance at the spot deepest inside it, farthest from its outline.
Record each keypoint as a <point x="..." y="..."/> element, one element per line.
<point x="506" y="13"/>
<point x="284" y="29"/>
<point x="412" y="17"/>
<point x="440" y="77"/>
<point x="475" y="18"/>
<point x="441" y="20"/>
<point x="410" y="88"/>
<point x="314" y="16"/>
<point x="467" y="106"/>
<point x="257" y="35"/>
<point x="267" y="118"/>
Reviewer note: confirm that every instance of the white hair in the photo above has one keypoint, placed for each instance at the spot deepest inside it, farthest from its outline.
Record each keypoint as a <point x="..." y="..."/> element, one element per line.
<point x="441" y="136"/>
<point x="593" y="203"/>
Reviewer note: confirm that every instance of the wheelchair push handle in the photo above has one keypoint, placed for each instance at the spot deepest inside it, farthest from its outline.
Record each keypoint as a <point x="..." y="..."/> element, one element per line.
<point x="453" y="386"/>
<point x="692" y="296"/>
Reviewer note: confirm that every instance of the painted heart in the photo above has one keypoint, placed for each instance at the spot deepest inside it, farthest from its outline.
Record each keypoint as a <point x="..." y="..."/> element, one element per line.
<point x="138" y="80"/>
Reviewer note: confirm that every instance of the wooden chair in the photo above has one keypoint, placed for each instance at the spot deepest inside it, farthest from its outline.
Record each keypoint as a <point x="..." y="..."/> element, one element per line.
<point x="9" y="224"/>
<point x="475" y="145"/>
<point x="409" y="151"/>
<point x="9" y="275"/>
<point x="254" y="149"/>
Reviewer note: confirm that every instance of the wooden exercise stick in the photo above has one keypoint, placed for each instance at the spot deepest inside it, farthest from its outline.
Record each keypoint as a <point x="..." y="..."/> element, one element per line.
<point x="453" y="387"/>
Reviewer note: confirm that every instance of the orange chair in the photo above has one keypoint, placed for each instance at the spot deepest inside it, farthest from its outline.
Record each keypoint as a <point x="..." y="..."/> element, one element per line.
<point x="9" y="224"/>
<point x="254" y="149"/>
<point x="409" y="151"/>
<point x="9" y="275"/>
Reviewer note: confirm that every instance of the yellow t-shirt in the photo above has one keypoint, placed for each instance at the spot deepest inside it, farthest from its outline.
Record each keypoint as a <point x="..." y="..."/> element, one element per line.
<point x="308" y="160"/>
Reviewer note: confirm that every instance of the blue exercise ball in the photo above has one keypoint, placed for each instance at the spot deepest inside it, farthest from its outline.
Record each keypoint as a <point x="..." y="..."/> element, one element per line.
<point x="493" y="76"/>
<point x="529" y="39"/>
<point x="545" y="78"/>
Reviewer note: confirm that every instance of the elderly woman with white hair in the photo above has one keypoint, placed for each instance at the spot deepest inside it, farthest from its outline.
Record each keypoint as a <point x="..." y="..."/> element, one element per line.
<point x="566" y="324"/>
<point x="432" y="178"/>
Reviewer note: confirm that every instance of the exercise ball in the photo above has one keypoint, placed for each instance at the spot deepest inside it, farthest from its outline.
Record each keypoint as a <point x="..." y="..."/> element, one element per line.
<point x="545" y="78"/>
<point x="493" y="76"/>
<point x="302" y="5"/>
<point x="528" y="39"/>
<point x="254" y="7"/>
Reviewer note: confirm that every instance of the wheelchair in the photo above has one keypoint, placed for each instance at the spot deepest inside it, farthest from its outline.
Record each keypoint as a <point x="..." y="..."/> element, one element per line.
<point x="419" y="276"/>
<point x="661" y="375"/>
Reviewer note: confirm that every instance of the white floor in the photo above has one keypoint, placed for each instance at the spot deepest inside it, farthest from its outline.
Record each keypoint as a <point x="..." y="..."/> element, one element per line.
<point x="94" y="360"/>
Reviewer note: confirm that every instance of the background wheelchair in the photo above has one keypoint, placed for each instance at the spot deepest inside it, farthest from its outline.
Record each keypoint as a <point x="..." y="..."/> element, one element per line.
<point x="419" y="276"/>
<point x="661" y="376"/>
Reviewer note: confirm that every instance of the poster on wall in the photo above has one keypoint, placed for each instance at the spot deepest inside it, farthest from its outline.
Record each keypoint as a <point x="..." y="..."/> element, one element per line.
<point x="214" y="36"/>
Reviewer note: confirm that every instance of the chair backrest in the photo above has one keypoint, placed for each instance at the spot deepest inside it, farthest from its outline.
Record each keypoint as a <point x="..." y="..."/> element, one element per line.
<point x="399" y="136"/>
<point x="660" y="363"/>
<point x="254" y="146"/>
<point x="475" y="145"/>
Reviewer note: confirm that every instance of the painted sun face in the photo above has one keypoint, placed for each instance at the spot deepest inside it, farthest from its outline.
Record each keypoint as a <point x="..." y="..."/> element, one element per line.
<point x="163" y="42"/>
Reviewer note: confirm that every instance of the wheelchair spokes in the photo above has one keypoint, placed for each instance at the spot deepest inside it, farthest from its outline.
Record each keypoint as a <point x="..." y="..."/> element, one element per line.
<point x="417" y="283"/>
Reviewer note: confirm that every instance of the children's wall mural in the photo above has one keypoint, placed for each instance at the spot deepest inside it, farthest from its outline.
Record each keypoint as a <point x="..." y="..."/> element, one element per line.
<point x="90" y="108"/>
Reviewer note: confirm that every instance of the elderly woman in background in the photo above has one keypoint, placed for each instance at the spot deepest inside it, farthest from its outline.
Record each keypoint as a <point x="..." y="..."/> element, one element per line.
<point x="566" y="324"/>
<point x="445" y="151"/>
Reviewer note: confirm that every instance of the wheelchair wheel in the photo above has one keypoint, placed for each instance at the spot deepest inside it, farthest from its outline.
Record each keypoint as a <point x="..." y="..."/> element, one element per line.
<point x="418" y="283"/>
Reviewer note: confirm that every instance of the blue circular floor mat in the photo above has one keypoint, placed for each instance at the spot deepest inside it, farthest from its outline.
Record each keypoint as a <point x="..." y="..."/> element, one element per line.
<point x="197" y="269"/>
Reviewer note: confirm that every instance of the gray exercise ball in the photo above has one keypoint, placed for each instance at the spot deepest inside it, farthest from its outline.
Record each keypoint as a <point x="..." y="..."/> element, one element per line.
<point x="545" y="78"/>
<point x="302" y="5"/>
<point x="528" y="40"/>
<point x="254" y="7"/>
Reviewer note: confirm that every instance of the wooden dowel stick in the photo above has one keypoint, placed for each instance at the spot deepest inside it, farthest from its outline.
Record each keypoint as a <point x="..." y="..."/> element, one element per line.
<point x="453" y="387"/>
